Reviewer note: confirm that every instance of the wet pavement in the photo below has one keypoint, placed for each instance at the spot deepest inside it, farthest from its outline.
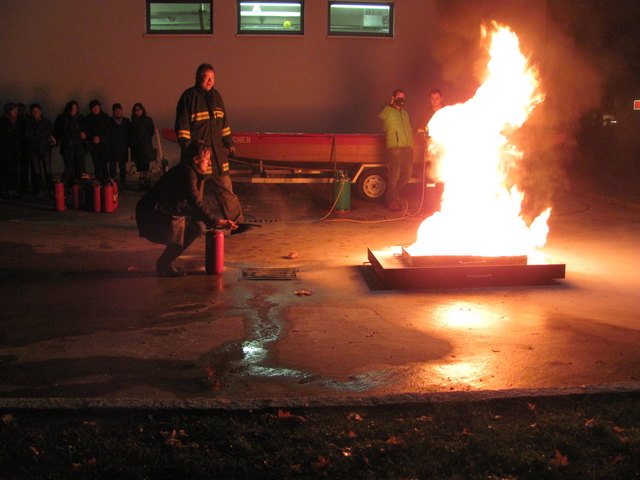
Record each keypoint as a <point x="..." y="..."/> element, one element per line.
<point x="84" y="317"/>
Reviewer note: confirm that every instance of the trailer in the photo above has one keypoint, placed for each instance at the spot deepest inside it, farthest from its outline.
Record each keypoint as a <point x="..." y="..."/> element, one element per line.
<point x="318" y="158"/>
<point x="321" y="158"/>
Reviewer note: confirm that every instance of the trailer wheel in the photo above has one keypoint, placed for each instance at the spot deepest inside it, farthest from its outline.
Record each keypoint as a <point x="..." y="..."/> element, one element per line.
<point x="371" y="184"/>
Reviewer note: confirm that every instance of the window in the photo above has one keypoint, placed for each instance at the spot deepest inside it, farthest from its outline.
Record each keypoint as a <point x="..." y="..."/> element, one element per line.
<point x="364" y="19"/>
<point x="271" y="18"/>
<point x="179" y="17"/>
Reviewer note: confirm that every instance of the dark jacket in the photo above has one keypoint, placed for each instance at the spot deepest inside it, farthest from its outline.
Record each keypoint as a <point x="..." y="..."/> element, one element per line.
<point x="201" y="116"/>
<point x="38" y="133"/>
<point x="142" y="130"/>
<point x="98" y="125"/>
<point x="73" y="126"/>
<point x="162" y="213"/>
<point x="11" y="137"/>
<point x="120" y="136"/>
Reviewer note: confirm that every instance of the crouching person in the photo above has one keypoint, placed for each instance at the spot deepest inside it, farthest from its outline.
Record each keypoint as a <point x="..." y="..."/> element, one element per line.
<point x="172" y="213"/>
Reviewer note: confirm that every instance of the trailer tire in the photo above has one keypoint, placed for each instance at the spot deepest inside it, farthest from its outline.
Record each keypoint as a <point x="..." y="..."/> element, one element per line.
<point x="371" y="184"/>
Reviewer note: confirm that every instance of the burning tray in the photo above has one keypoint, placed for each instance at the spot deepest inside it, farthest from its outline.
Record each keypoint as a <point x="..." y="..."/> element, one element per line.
<point x="460" y="260"/>
<point x="404" y="271"/>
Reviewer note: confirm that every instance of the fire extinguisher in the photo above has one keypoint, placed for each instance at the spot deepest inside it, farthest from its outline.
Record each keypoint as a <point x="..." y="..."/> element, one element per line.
<point x="58" y="195"/>
<point x="116" y="195"/>
<point x="214" y="252"/>
<point x="75" y="192"/>
<point x="109" y="193"/>
<point x="97" y="192"/>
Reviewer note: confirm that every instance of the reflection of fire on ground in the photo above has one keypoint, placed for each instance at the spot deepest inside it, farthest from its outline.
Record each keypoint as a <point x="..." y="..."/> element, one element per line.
<point x="475" y="154"/>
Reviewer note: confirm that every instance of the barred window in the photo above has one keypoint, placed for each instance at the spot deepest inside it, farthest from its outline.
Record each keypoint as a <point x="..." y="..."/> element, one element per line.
<point x="179" y="17"/>
<point x="361" y="19"/>
<point x="270" y="17"/>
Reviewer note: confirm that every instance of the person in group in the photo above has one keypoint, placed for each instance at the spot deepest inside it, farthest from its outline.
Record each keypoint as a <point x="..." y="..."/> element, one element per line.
<point x="26" y="174"/>
<point x="435" y="104"/>
<point x="11" y="141"/>
<point x="40" y="139"/>
<point x="119" y="144"/>
<point x="172" y="213"/>
<point x="97" y="125"/>
<point x="142" y="154"/>
<point x="201" y="116"/>
<point x="399" y="142"/>
<point x="72" y="145"/>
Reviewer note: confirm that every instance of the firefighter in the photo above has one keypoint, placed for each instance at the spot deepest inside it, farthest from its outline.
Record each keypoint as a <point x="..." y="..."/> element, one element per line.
<point x="201" y="116"/>
<point x="172" y="213"/>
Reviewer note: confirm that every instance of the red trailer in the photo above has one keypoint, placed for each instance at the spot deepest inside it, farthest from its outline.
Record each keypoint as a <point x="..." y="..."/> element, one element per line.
<point x="315" y="158"/>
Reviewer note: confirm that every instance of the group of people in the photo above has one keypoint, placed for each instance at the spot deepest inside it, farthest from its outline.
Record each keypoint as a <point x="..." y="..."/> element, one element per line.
<point x="399" y="141"/>
<point x="172" y="211"/>
<point x="27" y="140"/>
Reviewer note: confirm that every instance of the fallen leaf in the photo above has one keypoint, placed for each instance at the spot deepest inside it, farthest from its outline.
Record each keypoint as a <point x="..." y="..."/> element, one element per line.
<point x="295" y="468"/>
<point x="302" y="293"/>
<point x="292" y="255"/>
<point x="559" y="460"/>
<point x="7" y="418"/>
<point x="288" y="415"/>
<point x="352" y="434"/>
<point x="531" y="407"/>
<point x="354" y="416"/>
<point x="35" y="451"/>
<point x="395" y="441"/>
<point x="617" y="459"/>
<point x="590" y="423"/>
<point x="89" y="424"/>
<point x="465" y="432"/>
<point x="321" y="463"/>
<point x="424" y="418"/>
<point x="618" y="429"/>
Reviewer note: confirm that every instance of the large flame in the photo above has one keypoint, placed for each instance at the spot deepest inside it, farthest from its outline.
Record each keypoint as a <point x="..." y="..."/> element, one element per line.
<point x="480" y="212"/>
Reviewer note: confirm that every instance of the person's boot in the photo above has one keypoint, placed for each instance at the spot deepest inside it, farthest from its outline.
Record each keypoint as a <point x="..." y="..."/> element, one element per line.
<point x="165" y="266"/>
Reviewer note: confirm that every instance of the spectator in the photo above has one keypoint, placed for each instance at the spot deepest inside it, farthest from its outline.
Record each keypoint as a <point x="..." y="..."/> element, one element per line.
<point x="142" y="130"/>
<point x="97" y="125"/>
<point x="11" y="140"/>
<point x="40" y="139"/>
<point x="120" y="140"/>
<point x="72" y="145"/>
<point x="435" y="104"/>
<point x="25" y="158"/>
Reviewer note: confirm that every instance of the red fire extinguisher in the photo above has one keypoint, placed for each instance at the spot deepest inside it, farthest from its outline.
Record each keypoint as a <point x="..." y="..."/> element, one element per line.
<point x="109" y="197"/>
<point x="58" y="195"/>
<point x="214" y="252"/>
<point x="115" y="198"/>
<point x="75" y="192"/>
<point x="97" y="192"/>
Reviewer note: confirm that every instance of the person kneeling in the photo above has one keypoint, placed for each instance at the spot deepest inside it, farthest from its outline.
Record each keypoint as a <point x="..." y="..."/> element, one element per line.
<point x="172" y="212"/>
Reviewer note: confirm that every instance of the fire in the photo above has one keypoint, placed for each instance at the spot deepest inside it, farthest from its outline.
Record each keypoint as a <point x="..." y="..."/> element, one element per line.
<point x="480" y="211"/>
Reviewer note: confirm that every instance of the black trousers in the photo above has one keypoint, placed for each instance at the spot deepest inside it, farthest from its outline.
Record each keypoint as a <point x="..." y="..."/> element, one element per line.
<point x="192" y="231"/>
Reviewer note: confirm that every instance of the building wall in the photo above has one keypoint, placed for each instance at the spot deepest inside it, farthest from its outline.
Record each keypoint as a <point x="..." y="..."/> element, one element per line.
<point x="54" y="51"/>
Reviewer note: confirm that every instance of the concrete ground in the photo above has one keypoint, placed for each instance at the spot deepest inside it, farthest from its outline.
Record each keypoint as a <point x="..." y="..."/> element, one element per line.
<point x="84" y="317"/>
